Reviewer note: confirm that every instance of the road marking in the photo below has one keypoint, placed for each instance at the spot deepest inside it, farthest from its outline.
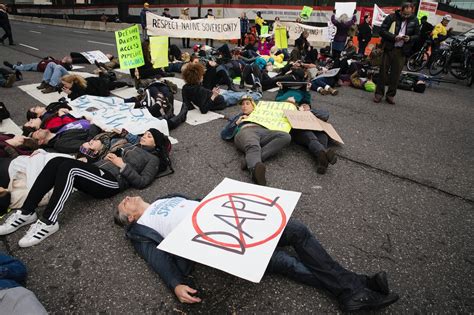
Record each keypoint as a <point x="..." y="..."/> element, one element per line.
<point x="35" y="32"/>
<point x="80" y="32"/>
<point x="108" y="44"/>
<point x="30" y="47"/>
<point x="41" y="26"/>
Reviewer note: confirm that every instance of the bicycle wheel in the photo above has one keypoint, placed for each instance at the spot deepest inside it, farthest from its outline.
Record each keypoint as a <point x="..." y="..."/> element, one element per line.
<point x="417" y="61"/>
<point x="437" y="65"/>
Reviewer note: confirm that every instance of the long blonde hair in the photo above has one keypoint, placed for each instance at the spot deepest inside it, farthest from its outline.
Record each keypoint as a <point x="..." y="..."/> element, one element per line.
<point x="75" y="79"/>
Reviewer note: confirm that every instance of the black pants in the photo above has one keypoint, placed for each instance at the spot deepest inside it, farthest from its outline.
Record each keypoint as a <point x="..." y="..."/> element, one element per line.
<point x="312" y="265"/>
<point x="392" y="66"/>
<point x="184" y="43"/>
<point x="62" y="175"/>
<point x="315" y="141"/>
<point x="8" y="33"/>
<point x="77" y="58"/>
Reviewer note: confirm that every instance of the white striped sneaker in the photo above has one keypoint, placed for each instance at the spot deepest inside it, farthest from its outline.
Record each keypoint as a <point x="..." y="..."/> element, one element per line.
<point x="15" y="221"/>
<point x="37" y="233"/>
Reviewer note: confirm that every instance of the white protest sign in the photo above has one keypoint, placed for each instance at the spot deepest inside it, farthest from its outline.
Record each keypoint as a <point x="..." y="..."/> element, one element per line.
<point x="316" y="34"/>
<point x="201" y="28"/>
<point x="235" y="228"/>
<point x="328" y="74"/>
<point x="345" y="8"/>
<point x="379" y="16"/>
<point x="95" y="55"/>
<point x="113" y="112"/>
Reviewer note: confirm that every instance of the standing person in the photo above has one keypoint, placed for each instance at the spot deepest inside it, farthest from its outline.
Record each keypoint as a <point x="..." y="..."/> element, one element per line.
<point x="365" y="34"/>
<point x="166" y="13"/>
<point x="343" y="24"/>
<point x="425" y="34"/>
<point x="185" y="16"/>
<point x="5" y="24"/>
<point x="244" y="28"/>
<point x="143" y="12"/>
<point x="259" y="22"/>
<point x="399" y="31"/>
<point x="211" y="16"/>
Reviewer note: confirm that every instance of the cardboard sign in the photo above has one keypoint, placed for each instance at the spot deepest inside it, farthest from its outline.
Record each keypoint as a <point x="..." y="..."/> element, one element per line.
<point x="307" y="121"/>
<point x="379" y="16"/>
<point x="271" y="115"/>
<point x="201" y="28"/>
<point x="345" y="8"/>
<point x="281" y="40"/>
<point x="113" y="112"/>
<point x="316" y="34"/>
<point x="95" y="55"/>
<point x="129" y="48"/>
<point x="159" y="51"/>
<point x="235" y="228"/>
<point x="306" y="12"/>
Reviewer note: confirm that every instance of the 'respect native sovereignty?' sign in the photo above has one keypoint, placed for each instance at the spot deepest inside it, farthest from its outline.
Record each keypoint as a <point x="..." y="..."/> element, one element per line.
<point x="200" y="28"/>
<point x="235" y="228"/>
<point x="129" y="48"/>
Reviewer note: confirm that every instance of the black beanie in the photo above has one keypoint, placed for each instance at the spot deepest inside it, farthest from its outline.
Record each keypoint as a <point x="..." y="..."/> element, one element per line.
<point x="158" y="137"/>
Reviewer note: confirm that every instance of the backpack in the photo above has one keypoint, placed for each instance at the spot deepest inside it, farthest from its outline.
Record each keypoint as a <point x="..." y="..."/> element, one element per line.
<point x="159" y="104"/>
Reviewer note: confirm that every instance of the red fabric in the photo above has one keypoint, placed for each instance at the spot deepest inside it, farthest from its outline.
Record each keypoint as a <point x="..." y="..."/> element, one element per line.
<point x="56" y="121"/>
<point x="43" y="63"/>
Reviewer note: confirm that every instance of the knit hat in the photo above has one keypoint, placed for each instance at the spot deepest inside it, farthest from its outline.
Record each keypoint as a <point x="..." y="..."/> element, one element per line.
<point x="369" y="86"/>
<point x="160" y="139"/>
<point x="271" y="60"/>
<point x="247" y="97"/>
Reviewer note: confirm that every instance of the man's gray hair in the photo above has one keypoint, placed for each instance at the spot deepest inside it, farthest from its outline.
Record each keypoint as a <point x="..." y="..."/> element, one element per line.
<point x="120" y="218"/>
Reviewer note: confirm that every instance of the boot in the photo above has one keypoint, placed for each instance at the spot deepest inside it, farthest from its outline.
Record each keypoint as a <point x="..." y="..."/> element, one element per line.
<point x="333" y="91"/>
<point x="10" y="80"/>
<point x="322" y="163"/>
<point x="258" y="174"/>
<point x="323" y="91"/>
<point x="232" y="87"/>
<point x="331" y="155"/>
<point x="7" y="64"/>
<point x="42" y="86"/>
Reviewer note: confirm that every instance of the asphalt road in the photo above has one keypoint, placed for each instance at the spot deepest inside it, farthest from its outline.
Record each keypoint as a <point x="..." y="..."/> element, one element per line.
<point x="400" y="199"/>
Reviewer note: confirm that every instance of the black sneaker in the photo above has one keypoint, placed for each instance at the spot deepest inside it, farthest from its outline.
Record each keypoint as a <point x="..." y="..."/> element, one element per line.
<point x="18" y="75"/>
<point x="258" y="174"/>
<point x="367" y="299"/>
<point x="379" y="283"/>
<point x="7" y="64"/>
<point x="322" y="163"/>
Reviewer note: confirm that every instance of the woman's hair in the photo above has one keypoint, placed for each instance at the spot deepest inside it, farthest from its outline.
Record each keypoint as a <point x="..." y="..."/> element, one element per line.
<point x="343" y="18"/>
<point x="29" y="144"/>
<point x="30" y="114"/>
<point x="27" y="131"/>
<point x="193" y="73"/>
<point x="75" y="79"/>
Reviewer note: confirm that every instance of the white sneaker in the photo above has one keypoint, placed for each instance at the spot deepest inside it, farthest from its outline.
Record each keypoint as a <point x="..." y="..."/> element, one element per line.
<point x="37" y="233"/>
<point x="16" y="221"/>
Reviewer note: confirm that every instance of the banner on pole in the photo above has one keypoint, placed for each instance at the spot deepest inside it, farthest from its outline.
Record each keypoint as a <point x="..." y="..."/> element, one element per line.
<point x="306" y="12"/>
<point x="159" y="51"/>
<point x="201" y="28"/>
<point x="129" y="48"/>
<point x="379" y="16"/>
<point x="236" y="228"/>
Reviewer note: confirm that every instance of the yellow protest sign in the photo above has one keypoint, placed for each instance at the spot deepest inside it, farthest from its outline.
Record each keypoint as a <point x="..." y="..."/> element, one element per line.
<point x="129" y="48"/>
<point x="271" y="115"/>
<point x="264" y="30"/>
<point x="422" y="13"/>
<point x="159" y="51"/>
<point x="306" y="12"/>
<point x="281" y="40"/>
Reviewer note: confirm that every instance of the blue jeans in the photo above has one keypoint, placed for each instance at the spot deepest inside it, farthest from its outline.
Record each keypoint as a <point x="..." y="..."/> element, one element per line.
<point x="53" y="73"/>
<point x="233" y="98"/>
<point x="28" y="67"/>
<point x="322" y="82"/>
<point x="312" y="265"/>
<point x="12" y="271"/>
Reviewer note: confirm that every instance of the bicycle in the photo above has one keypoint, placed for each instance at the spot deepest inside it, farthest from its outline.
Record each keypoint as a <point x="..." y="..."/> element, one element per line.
<point x="450" y="58"/>
<point x="420" y="59"/>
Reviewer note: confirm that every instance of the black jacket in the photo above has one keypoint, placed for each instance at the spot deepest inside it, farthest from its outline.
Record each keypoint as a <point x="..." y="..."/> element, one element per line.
<point x="95" y="86"/>
<point x="201" y="97"/>
<point x="69" y="141"/>
<point x="365" y="33"/>
<point x="388" y="39"/>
